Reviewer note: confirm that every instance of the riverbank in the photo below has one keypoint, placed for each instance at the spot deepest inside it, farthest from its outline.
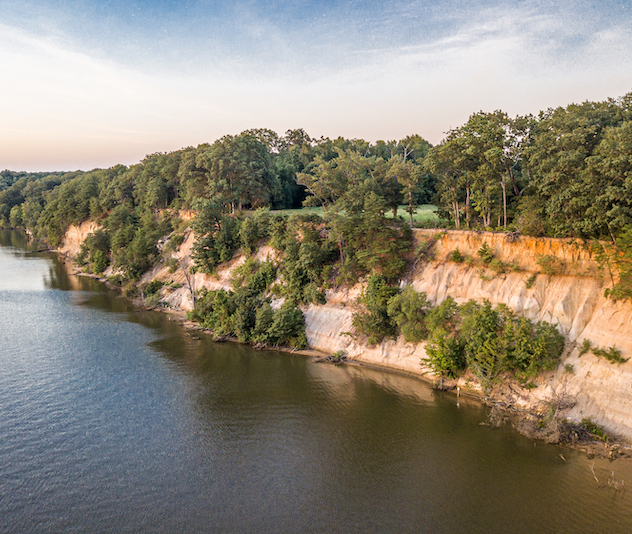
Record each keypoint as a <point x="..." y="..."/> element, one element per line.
<point x="583" y="387"/>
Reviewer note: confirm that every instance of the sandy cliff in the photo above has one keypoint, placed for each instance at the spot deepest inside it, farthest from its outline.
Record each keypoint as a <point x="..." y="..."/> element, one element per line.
<point x="573" y="299"/>
<point x="575" y="302"/>
<point x="75" y="236"/>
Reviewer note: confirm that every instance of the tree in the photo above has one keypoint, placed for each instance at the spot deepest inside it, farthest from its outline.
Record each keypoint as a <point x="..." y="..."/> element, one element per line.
<point x="407" y="176"/>
<point x="374" y="321"/>
<point x="561" y="144"/>
<point x="239" y="171"/>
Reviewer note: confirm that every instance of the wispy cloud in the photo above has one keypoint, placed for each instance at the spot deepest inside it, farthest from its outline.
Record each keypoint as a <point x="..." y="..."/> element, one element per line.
<point x="406" y="69"/>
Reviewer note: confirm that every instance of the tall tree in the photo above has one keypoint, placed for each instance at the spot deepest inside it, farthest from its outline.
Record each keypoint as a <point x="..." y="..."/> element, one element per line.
<point x="239" y="171"/>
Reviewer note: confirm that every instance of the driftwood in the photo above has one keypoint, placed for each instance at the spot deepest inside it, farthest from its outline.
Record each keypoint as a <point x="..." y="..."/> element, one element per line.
<point x="332" y="358"/>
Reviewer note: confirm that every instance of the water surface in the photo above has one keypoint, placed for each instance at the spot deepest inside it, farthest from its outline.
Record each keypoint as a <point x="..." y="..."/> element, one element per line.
<point x="115" y="420"/>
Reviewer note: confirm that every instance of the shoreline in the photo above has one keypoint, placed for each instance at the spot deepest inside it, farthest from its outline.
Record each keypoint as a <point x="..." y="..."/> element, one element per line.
<point x="525" y="422"/>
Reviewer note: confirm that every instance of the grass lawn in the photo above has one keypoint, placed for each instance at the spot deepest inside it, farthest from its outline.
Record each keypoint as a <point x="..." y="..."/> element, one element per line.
<point x="423" y="213"/>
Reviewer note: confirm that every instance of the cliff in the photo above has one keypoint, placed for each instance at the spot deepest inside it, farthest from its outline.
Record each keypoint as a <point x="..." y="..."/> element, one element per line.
<point x="75" y="236"/>
<point x="572" y="298"/>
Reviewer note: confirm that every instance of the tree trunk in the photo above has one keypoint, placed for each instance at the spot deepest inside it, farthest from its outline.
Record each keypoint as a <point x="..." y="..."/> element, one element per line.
<point x="189" y="284"/>
<point x="468" y="204"/>
<point x="457" y="219"/>
<point x="504" y="202"/>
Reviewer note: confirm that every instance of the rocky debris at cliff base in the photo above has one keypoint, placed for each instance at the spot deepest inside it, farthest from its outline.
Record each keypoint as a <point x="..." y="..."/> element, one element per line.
<point x="337" y="357"/>
<point x="564" y="432"/>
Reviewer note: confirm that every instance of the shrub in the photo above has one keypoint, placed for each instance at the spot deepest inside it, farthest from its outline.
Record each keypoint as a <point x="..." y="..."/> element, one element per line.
<point x="174" y="243"/>
<point x="263" y="321"/>
<point x="445" y="354"/>
<point x="456" y="256"/>
<point x="248" y="236"/>
<point x="288" y="327"/>
<point x="152" y="287"/>
<point x="549" y="265"/>
<point x="130" y="290"/>
<point x="612" y="354"/>
<point x="497" y="266"/>
<point x="172" y="264"/>
<point x="408" y="310"/>
<point x="445" y="316"/>
<point x="153" y="301"/>
<point x="534" y="347"/>
<point x="594" y="429"/>
<point x="485" y="253"/>
<point x="585" y="347"/>
<point x="484" y="346"/>
<point x="374" y="321"/>
<point x="530" y="281"/>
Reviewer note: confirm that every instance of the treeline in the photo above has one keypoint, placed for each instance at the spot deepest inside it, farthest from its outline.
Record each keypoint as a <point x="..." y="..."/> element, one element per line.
<point x="257" y="168"/>
<point x="357" y="183"/>
<point x="565" y="173"/>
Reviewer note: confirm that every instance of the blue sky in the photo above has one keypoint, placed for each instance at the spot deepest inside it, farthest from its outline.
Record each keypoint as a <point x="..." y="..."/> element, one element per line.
<point x="86" y="83"/>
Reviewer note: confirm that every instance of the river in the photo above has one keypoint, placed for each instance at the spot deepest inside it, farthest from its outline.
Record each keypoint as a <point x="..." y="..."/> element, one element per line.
<point x="119" y="420"/>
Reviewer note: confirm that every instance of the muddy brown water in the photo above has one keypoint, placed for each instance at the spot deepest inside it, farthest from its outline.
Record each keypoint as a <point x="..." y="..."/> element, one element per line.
<point x="115" y="420"/>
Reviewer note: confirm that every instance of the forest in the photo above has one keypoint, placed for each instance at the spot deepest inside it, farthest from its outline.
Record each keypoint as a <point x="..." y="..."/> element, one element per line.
<point x="565" y="172"/>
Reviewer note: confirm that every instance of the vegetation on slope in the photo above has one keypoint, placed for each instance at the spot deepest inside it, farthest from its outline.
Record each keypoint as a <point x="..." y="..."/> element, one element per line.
<point x="565" y="172"/>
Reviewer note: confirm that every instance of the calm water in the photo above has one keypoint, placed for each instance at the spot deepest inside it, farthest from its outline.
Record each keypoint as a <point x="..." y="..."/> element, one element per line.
<point x="113" y="420"/>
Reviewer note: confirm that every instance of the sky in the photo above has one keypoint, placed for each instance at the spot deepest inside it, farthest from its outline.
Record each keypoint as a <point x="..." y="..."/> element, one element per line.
<point x="86" y="83"/>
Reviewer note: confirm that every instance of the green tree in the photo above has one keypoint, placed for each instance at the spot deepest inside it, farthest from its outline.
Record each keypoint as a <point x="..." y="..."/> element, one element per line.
<point x="373" y="320"/>
<point x="239" y="171"/>
<point x="408" y="311"/>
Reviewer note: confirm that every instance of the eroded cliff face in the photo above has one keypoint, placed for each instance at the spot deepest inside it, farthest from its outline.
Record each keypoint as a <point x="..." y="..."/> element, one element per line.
<point x="573" y="299"/>
<point x="75" y="236"/>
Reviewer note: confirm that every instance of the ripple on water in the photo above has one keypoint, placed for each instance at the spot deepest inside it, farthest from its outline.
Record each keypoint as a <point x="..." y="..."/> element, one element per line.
<point x="115" y="422"/>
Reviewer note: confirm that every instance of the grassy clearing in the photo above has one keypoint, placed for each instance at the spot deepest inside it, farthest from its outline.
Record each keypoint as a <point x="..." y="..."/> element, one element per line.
<point x="423" y="214"/>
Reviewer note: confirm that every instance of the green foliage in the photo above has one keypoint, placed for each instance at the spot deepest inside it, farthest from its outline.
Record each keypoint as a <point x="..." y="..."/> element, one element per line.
<point x="594" y="429"/>
<point x="549" y="265"/>
<point x="408" y="311"/>
<point x="489" y="341"/>
<point x="306" y="252"/>
<point x="445" y="353"/>
<point x="484" y="345"/>
<point x="248" y="236"/>
<point x="95" y="250"/>
<point x="217" y="236"/>
<point x="620" y="257"/>
<point x="456" y="256"/>
<point x="153" y="300"/>
<point x="532" y="219"/>
<point x="585" y="347"/>
<point x="485" y="253"/>
<point x="246" y="312"/>
<point x="534" y="347"/>
<point x="153" y="287"/>
<point x="497" y="266"/>
<point x="612" y="354"/>
<point x="530" y="281"/>
<point x="374" y="321"/>
<point x="444" y="317"/>
<point x="174" y="243"/>
<point x="288" y="327"/>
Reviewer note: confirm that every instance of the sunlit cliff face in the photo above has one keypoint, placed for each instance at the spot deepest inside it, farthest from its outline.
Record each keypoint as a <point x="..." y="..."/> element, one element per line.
<point x="112" y="82"/>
